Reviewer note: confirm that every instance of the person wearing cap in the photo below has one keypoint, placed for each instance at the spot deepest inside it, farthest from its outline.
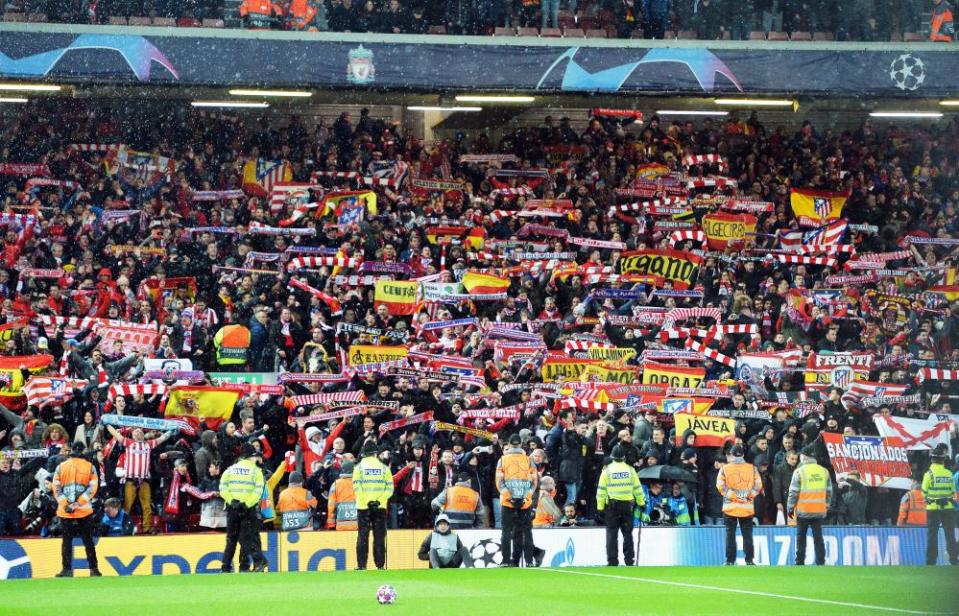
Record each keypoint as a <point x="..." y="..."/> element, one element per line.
<point x="620" y="489"/>
<point x="296" y="504"/>
<point x="341" y="501"/>
<point x="810" y="495"/>
<point x="738" y="482"/>
<point x="517" y="482"/>
<point x="75" y="484"/>
<point x="241" y="487"/>
<point x="443" y="548"/>
<point x="940" y="506"/>
<point x="412" y="484"/>
<point x="373" y="486"/>
<point x="460" y="502"/>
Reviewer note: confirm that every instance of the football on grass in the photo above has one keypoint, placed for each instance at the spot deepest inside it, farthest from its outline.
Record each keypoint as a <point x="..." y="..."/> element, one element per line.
<point x="386" y="594"/>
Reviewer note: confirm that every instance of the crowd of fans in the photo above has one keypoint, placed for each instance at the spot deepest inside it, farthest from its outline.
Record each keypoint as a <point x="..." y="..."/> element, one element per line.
<point x="102" y="237"/>
<point x="863" y="20"/>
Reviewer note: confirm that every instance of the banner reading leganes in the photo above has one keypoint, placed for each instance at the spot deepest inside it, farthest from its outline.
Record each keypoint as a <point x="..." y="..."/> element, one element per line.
<point x="679" y="267"/>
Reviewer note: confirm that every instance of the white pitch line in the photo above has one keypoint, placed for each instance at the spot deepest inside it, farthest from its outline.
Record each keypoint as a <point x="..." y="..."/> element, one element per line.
<point x="740" y="591"/>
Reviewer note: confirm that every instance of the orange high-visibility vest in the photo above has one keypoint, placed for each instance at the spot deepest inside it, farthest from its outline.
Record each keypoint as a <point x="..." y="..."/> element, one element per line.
<point x="341" y="505"/>
<point x="256" y="7"/>
<point x="75" y="482"/>
<point x="738" y="482"/>
<point x="941" y="17"/>
<point x="813" y="491"/>
<point x="515" y="478"/>
<point x="301" y="14"/>
<point x="461" y="503"/>
<point x="912" y="509"/>
<point x="543" y="518"/>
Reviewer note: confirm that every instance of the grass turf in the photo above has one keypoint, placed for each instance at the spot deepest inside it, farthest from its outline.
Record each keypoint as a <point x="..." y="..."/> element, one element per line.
<point x="601" y="590"/>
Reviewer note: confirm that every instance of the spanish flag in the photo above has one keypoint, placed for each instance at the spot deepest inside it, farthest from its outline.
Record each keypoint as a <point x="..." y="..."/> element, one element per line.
<point x="442" y="234"/>
<point x="399" y="297"/>
<point x="11" y="387"/>
<point x="484" y="283"/>
<point x="814" y="208"/>
<point x="197" y="404"/>
<point x="948" y="291"/>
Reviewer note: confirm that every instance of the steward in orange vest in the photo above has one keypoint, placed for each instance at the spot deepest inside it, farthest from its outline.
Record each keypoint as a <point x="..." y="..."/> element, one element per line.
<point x="460" y="502"/>
<point x="943" y="28"/>
<point x="739" y="483"/>
<point x="259" y="13"/>
<point x="341" y="504"/>
<point x="912" y="508"/>
<point x="810" y="493"/>
<point x="302" y="15"/>
<point x="75" y="483"/>
<point x="295" y="504"/>
<point x="547" y="512"/>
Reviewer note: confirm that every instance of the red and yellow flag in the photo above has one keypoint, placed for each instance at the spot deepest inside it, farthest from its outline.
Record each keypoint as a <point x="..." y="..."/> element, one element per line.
<point x="484" y="283"/>
<point x="197" y="404"/>
<point x="399" y="297"/>
<point x="710" y="431"/>
<point x="673" y="376"/>
<point x="724" y="230"/>
<point x="11" y="387"/>
<point x="815" y="208"/>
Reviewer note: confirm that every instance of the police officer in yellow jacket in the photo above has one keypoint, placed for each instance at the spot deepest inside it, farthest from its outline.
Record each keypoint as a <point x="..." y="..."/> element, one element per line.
<point x="619" y="488"/>
<point x="940" y="507"/>
<point x="241" y="487"/>
<point x="373" y="487"/>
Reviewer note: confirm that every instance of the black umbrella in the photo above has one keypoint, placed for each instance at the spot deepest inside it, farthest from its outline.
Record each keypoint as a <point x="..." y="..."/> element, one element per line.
<point x="664" y="472"/>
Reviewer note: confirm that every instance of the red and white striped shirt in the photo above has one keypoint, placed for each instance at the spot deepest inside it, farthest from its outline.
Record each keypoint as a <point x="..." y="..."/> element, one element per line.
<point x="136" y="458"/>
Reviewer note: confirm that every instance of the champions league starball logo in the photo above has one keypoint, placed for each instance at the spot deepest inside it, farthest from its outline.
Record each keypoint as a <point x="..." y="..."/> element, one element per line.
<point x="486" y="553"/>
<point x="907" y="72"/>
<point x="14" y="562"/>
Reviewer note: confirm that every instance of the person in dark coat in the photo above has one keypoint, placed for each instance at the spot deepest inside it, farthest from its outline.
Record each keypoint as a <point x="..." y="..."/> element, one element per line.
<point x="259" y="335"/>
<point x="781" y="477"/>
<point x="572" y="459"/>
<point x="852" y="501"/>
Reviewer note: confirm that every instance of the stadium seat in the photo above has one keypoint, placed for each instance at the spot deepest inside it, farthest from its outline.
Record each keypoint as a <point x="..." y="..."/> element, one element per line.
<point x="777" y="36"/>
<point x="504" y="31"/>
<point x="37" y="17"/>
<point x="164" y="22"/>
<point x="824" y="36"/>
<point x="527" y="32"/>
<point x="139" y="21"/>
<point x="895" y="37"/>
<point x="14" y="17"/>
<point x="637" y="33"/>
<point x="669" y="35"/>
<point x="687" y="35"/>
<point x="437" y="30"/>
<point x="596" y="33"/>
<point x="213" y="23"/>
<point x="757" y="35"/>
<point x="574" y="32"/>
<point x="588" y="23"/>
<point x="188" y="22"/>
<point x="800" y="36"/>
<point x="726" y="35"/>
<point x="117" y="20"/>
<point x="551" y="33"/>
<point x="912" y="37"/>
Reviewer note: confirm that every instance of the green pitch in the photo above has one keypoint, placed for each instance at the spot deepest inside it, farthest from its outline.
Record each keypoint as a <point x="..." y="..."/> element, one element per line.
<point x="739" y="591"/>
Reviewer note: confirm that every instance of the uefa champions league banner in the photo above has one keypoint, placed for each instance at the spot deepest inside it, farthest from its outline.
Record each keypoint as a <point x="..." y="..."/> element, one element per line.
<point x="706" y="545"/>
<point x="81" y="53"/>
<point x="578" y="547"/>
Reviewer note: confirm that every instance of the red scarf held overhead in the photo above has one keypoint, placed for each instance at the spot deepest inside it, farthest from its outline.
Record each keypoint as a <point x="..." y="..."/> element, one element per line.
<point x="178" y="483"/>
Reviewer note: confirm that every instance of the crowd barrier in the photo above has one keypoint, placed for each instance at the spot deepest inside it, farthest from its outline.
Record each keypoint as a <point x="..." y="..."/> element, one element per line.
<point x="335" y="551"/>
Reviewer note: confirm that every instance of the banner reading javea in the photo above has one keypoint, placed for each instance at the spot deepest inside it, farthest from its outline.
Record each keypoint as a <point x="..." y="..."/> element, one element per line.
<point x="580" y="547"/>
